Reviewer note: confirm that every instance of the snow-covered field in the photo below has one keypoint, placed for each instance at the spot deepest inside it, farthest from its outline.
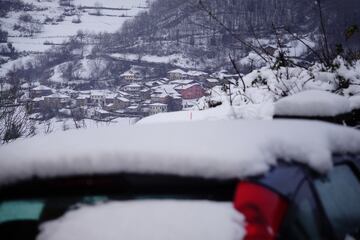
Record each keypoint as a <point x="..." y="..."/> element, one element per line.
<point x="58" y="125"/>
<point x="5" y="68"/>
<point x="109" y="21"/>
<point x="225" y="112"/>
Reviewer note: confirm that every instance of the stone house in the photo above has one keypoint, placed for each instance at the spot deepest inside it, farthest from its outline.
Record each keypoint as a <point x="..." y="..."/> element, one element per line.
<point x="177" y="74"/>
<point x="82" y="100"/>
<point x="40" y="91"/>
<point x="156" y="108"/>
<point x="131" y="76"/>
<point x="57" y="101"/>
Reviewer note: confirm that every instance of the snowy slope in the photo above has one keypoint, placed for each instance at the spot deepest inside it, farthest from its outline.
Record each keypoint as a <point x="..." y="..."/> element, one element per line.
<point x="224" y="112"/>
<point x="113" y="3"/>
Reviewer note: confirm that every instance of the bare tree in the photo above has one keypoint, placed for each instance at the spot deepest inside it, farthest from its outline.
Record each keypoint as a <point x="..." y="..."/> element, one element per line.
<point x="98" y="68"/>
<point x="28" y="25"/>
<point x="48" y="127"/>
<point x="14" y="119"/>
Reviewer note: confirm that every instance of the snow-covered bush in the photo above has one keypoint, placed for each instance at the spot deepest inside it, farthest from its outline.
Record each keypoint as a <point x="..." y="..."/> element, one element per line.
<point x="76" y="19"/>
<point x="14" y="123"/>
<point x="28" y="25"/>
<point x="269" y="84"/>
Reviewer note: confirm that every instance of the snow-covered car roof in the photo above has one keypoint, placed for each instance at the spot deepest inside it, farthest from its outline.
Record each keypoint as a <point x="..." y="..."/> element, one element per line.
<point x="221" y="149"/>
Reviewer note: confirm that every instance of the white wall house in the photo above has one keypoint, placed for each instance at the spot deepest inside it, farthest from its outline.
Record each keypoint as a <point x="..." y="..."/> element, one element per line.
<point x="98" y="97"/>
<point x="156" y="108"/>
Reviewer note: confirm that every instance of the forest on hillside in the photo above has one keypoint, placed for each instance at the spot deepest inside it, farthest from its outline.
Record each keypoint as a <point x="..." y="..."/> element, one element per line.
<point x="207" y="27"/>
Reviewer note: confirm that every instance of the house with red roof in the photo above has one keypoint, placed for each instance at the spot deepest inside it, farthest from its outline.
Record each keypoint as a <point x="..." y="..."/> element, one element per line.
<point x="191" y="91"/>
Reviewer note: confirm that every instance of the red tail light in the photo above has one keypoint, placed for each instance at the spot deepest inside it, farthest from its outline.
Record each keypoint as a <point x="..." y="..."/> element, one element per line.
<point x="263" y="210"/>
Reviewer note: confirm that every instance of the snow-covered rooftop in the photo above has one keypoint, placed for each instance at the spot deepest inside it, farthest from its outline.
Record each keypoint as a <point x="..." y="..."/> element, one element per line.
<point x="182" y="81"/>
<point x="58" y="95"/>
<point x="160" y="95"/>
<point x="123" y="99"/>
<point x="133" y="85"/>
<point x="179" y="71"/>
<point x="83" y="97"/>
<point x="221" y="149"/>
<point x="102" y="93"/>
<point x="101" y="111"/>
<point x="25" y="85"/>
<point x="123" y="93"/>
<point x="313" y="103"/>
<point x="111" y="95"/>
<point x="127" y="74"/>
<point x="212" y="80"/>
<point x="42" y="88"/>
<point x="158" y="105"/>
<point x="38" y="99"/>
<point x="196" y="73"/>
<point x="133" y="107"/>
<point x="187" y="86"/>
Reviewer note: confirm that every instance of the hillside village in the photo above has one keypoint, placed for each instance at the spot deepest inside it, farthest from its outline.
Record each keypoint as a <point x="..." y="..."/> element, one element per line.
<point x="134" y="97"/>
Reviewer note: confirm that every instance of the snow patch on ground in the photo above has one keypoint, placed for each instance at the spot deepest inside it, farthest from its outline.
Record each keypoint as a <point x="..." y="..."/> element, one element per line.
<point x="64" y="124"/>
<point x="223" y="112"/>
<point x="152" y="220"/>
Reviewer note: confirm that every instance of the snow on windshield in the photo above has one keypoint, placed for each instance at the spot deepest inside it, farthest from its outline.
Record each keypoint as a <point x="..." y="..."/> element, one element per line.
<point x="151" y="220"/>
<point x="221" y="149"/>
